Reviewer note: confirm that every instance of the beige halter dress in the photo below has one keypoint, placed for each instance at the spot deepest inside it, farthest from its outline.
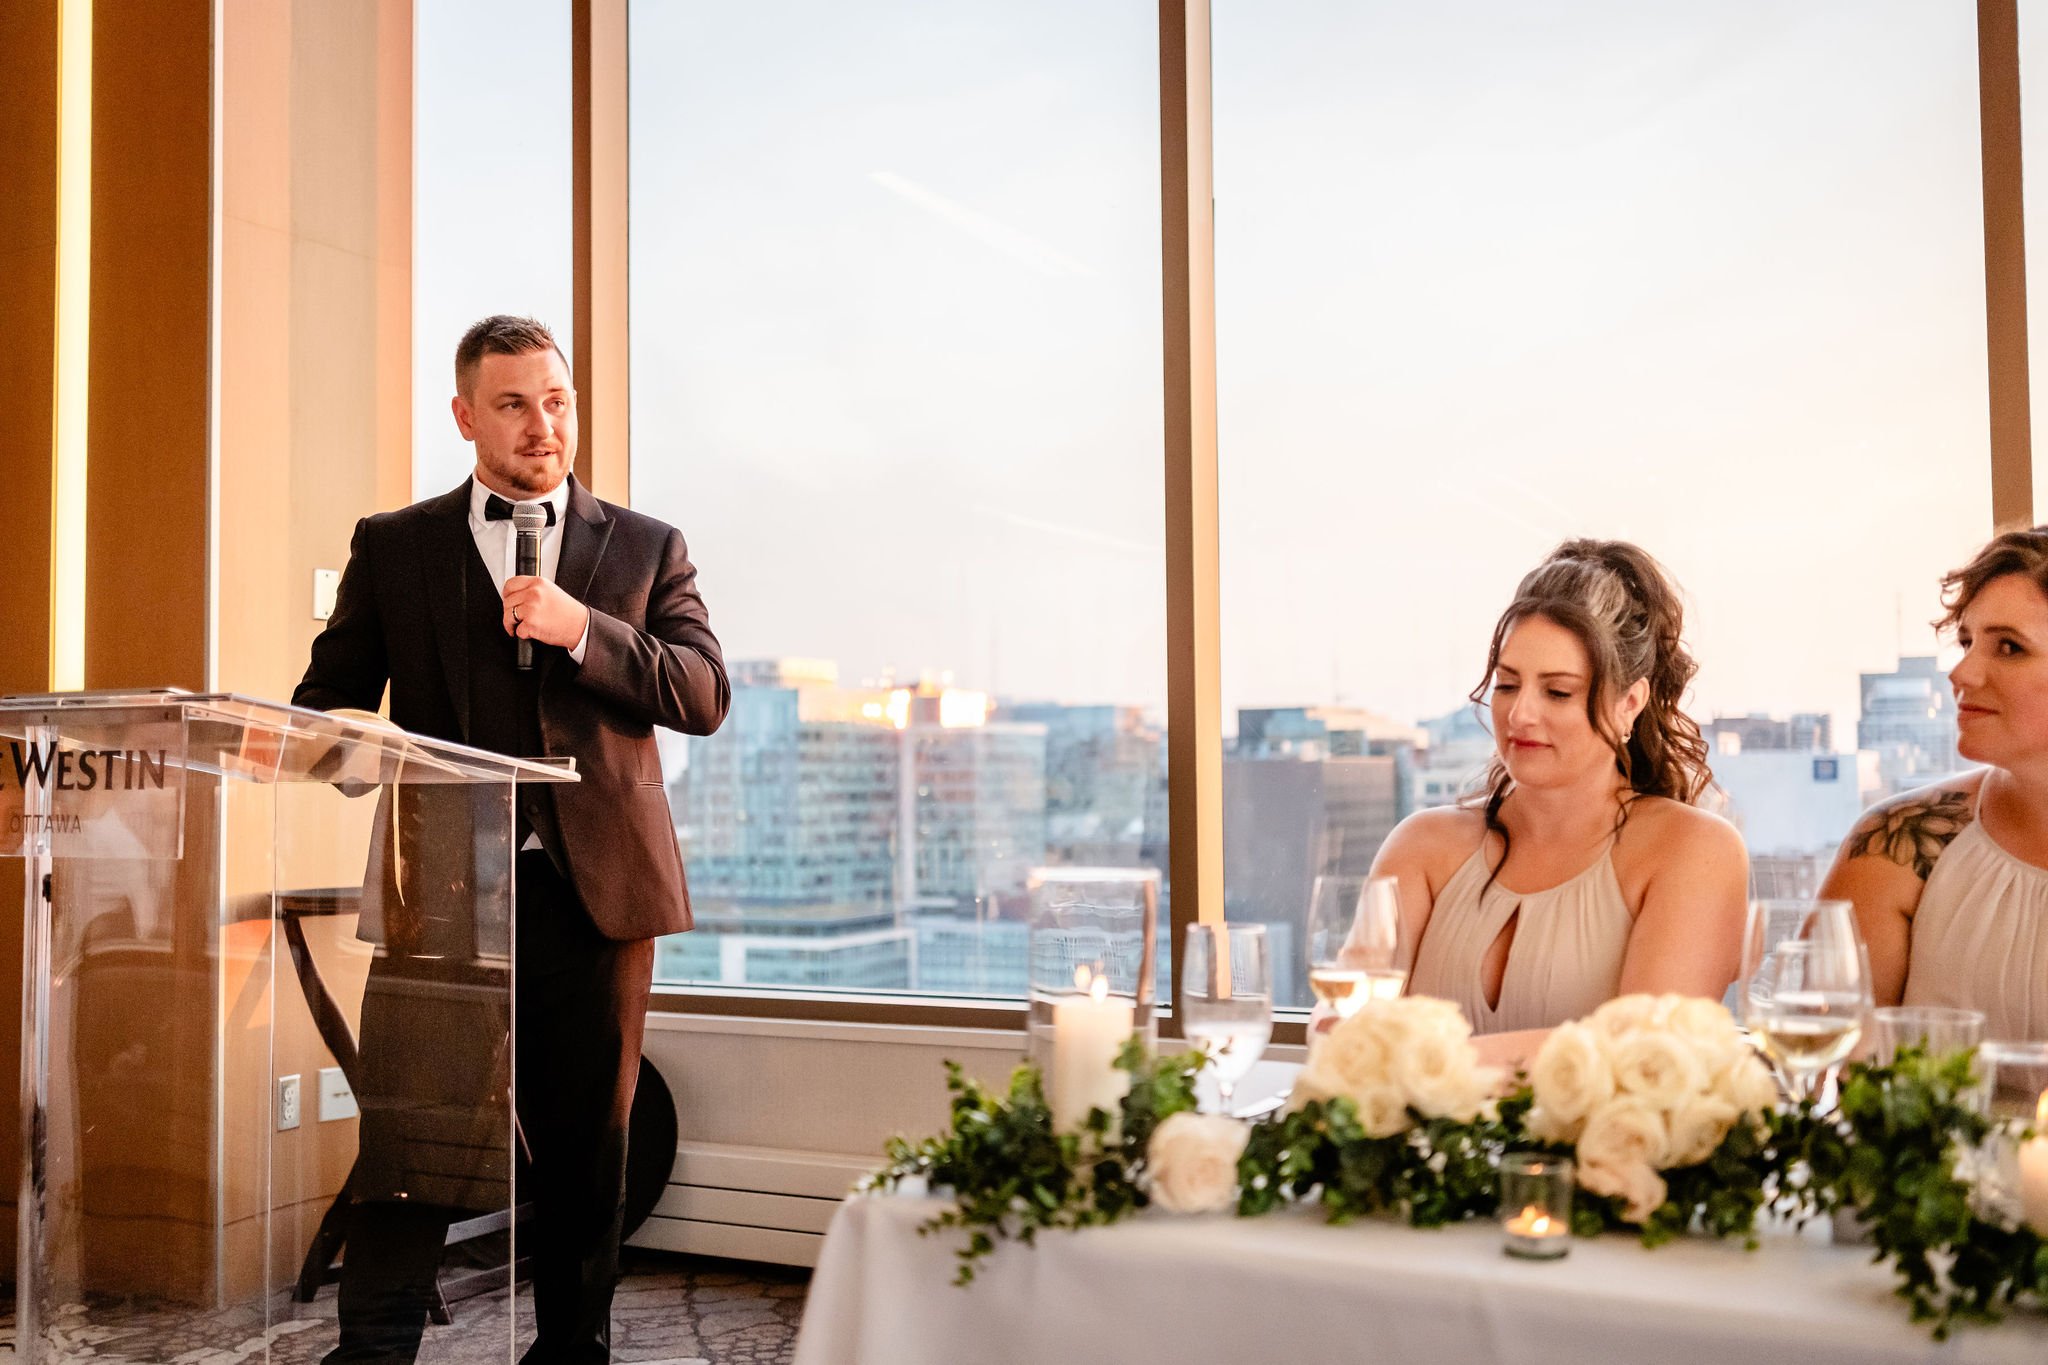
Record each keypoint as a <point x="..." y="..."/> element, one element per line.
<point x="1565" y="960"/>
<point x="1980" y="937"/>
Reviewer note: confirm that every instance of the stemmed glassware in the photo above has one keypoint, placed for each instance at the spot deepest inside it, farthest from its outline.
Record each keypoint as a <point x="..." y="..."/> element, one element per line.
<point x="1805" y="987"/>
<point x="1226" y="999"/>
<point x="1354" y="941"/>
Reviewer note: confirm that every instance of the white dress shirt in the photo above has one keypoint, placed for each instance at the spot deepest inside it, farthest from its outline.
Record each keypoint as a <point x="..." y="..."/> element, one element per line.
<point x="500" y="547"/>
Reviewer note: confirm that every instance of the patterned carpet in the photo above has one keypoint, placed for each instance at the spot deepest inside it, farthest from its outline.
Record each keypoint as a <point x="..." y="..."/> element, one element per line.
<point x="670" y="1310"/>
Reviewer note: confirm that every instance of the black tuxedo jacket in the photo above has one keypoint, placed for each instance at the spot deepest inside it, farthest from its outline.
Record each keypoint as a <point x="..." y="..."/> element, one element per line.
<point x="401" y="616"/>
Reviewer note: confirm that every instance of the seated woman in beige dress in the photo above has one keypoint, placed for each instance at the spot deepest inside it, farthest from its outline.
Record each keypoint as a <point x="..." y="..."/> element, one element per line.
<point x="1583" y="871"/>
<point x="1951" y="881"/>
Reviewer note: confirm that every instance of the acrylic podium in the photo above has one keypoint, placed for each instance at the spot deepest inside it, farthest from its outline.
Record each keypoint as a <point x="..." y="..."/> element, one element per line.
<point x="267" y="979"/>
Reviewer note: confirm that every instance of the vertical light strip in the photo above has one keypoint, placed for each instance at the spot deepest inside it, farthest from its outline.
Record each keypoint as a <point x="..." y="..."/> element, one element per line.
<point x="216" y="163"/>
<point x="2005" y="264"/>
<point x="74" y="320"/>
<point x="1194" y="668"/>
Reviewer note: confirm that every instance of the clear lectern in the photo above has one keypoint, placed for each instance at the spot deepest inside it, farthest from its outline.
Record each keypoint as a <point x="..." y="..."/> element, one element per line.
<point x="267" y="980"/>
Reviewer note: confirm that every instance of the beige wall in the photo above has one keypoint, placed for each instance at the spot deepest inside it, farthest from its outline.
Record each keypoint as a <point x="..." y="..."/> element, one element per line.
<point x="310" y="308"/>
<point x="315" y="296"/>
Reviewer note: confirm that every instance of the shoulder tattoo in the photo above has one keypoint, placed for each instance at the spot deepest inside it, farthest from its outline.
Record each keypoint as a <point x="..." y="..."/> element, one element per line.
<point x="1913" y="833"/>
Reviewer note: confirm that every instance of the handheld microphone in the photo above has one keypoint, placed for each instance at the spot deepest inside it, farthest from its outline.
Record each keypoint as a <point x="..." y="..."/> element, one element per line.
<point x="527" y="520"/>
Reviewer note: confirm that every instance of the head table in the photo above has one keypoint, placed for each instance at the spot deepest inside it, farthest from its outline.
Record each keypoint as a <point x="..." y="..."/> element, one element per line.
<point x="1288" y="1287"/>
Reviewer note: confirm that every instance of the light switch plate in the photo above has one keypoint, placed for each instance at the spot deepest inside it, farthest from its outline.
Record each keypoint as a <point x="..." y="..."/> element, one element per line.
<point x="337" y="1101"/>
<point x="325" y="584"/>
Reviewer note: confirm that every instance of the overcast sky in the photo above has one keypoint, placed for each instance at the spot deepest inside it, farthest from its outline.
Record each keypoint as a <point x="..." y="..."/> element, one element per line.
<point x="1707" y="277"/>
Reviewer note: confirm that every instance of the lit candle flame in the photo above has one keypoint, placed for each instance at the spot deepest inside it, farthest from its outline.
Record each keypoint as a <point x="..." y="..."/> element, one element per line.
<point x="2041" y="1115"/>
<point x="1100" y="990"/>
<point x="1081" y="977"/>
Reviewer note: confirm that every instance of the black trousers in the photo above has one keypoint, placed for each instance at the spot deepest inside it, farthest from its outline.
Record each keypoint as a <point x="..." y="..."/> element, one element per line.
<point x="580" y="1006"/>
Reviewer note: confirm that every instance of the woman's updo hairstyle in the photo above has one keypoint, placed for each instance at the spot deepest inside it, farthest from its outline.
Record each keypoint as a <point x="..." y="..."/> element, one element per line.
<point x="1627" y="613"/>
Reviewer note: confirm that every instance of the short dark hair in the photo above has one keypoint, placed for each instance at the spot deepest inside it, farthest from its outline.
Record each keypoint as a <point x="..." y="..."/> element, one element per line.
<point x="499" y="334"/>
<point x="2016" y="552"/>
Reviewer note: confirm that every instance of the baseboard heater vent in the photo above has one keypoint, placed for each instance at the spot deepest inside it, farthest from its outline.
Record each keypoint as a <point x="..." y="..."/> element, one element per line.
<point x="750" y="1203"/>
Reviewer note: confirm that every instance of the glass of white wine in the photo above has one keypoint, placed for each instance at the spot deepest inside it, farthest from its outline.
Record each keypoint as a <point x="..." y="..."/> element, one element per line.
<point x="1226" y="999"/>
<point x="1805" y="989"/>
<point x="1354" y="941"/>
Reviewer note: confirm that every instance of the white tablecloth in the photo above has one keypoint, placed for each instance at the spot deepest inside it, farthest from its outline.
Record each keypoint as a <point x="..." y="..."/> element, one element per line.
<point x="1288" y="1288"/>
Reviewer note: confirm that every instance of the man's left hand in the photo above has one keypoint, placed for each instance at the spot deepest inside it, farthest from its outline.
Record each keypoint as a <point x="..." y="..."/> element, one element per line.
<point x="536" y="609"/>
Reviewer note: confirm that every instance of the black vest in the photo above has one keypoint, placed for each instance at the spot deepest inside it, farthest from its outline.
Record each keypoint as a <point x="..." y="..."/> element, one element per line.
<point x="504" y="705"/>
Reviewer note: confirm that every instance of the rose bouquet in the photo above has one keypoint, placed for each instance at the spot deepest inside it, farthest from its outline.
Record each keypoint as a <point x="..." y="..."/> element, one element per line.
<point x="1399" y="1061"/>
<point x="1393" y="1112"/>
<point x="1646" y="1088"/>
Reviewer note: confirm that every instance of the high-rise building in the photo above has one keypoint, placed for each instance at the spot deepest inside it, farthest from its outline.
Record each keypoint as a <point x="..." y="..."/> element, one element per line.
<point x="1909" y="722"/>
<point x="783" y="809"/>
<point x="972" y="809"/>
<point x="1805" y="731"/>
<point x="1454" y="764"/>
<point x="1292" y="810"/>
<point x="1103" y="765"/>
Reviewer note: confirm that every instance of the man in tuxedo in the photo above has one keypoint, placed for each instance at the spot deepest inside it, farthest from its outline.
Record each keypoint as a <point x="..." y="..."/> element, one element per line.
<point x="429" y="604"/>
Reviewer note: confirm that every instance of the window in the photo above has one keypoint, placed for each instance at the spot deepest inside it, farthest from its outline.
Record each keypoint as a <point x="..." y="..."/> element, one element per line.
<point x="491" y="196"/>
<point x="896" y="375"/>
<point x="1707" y="278"/>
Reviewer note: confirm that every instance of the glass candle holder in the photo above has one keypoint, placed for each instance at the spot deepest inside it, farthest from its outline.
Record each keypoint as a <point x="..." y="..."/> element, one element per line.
<point x="1937" y="1028"/>
<point x="1092" y="950"/>
<point x="2014" y="1076"/>
<point x="1535" y="1205"/>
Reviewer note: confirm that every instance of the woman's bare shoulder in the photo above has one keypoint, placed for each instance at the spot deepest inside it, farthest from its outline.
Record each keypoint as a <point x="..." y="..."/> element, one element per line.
<point x="1672" y="831"/>
<point x="1434" y="837"/>
<point x="1913" y="828"/>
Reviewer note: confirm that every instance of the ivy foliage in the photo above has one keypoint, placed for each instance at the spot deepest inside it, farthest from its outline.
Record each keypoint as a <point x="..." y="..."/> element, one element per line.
<point x="1901" y="1150"/>
<point x="1439" y="1171"/>
<point x="1011" y="1176"/>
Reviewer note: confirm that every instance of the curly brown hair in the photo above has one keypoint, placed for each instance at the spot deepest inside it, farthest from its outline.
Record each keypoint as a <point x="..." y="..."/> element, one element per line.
<point x="2016" y="552"/>
<point x="1628" y="615"/>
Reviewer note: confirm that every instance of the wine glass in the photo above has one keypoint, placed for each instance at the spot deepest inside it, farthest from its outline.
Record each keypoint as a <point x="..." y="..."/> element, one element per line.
<point x="1226" y="999"/>
<point x="1805" y="987"/>
<point x="1354" y="941"/>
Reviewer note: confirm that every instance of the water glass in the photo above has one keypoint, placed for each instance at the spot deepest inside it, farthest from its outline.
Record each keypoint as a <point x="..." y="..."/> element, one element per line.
<point x="1226" y="999"/>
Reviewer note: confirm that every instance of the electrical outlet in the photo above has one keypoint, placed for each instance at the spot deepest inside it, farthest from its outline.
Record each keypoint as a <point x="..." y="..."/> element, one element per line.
<point x="337" y="1101"/>
<point x="287" y="1102"/>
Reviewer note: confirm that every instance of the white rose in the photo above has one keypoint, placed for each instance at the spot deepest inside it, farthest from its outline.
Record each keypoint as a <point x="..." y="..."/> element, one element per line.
<point x="1571" y="1074"/>
<point x="1435" y="1069"/>
<point x="1383" y="1110"/>
<point x="1312" y="1083"/>
<point x="1748" y="1084"/>
<point x="1656" y="1067"/>
<point x="1697" y="1127"/>
<point x="1192" y="1162"/>
<point x="1637" y="1185"/>
<point x="1624" y="1132"/>
<point x="1625" y="1014"/>
<point x="1355" y="1054"/>
<point x="1546" y="1126"/>
<point x="1710" y="1030"/>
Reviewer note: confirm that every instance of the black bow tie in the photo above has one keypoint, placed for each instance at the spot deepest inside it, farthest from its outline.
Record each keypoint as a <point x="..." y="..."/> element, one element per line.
<point x="497" y="509"/>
